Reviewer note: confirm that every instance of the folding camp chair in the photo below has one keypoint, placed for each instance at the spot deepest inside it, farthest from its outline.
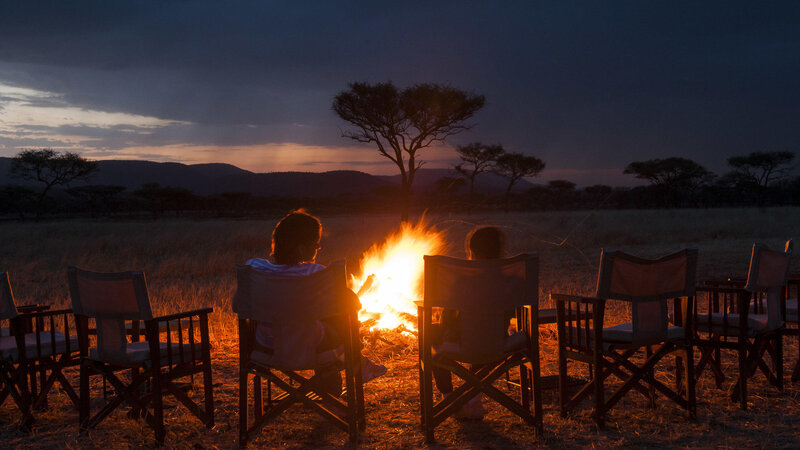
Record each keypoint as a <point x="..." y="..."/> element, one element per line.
<point x="481" y="291"/>
<point x="737" y="318"/>
<point x="648" y="286"/>
<point x="36" y="341"/>
<point x="175" y="346"/>
<point x="294" y="308"/>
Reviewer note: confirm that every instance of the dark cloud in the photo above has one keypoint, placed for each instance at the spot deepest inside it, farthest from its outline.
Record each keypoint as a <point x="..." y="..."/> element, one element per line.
<point x="580" y="84"/>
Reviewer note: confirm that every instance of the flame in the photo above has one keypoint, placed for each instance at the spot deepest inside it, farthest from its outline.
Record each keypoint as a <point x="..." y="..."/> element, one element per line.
<point x="392" y="275"/>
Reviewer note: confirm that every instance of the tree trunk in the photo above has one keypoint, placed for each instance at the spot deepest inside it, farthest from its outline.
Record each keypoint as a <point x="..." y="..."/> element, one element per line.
<point x="508" y="195"/>
<point x="40" y="203"/>
<point x="471" y="194"/>
<point x="405" y="200"/>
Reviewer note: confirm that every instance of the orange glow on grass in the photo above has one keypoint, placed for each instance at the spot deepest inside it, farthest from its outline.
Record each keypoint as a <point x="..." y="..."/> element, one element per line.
<point x="396" y="268"/>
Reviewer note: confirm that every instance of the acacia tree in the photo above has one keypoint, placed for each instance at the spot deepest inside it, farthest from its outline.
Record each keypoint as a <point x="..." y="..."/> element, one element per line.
<point x="671" y="176"/>
<point x="476" y="158"/>
<point x="758" y="170"/>
<point x="401" y="122"/>
<point x="516" y="166"/>
<point x="50" y="168"/>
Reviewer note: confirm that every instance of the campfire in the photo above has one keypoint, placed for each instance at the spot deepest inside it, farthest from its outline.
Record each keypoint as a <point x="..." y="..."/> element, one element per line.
<point x="392" y="275"/>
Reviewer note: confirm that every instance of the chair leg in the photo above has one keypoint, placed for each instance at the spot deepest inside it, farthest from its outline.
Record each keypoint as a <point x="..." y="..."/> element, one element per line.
<point x="208" y="390"/>
<point x="524" y="387"/>
<point x="563" y="379"/>
<point x="651" y="390"/>
<point x="84" y="403"/>
<point x="599" y="404"/>
<point x="690" y="382"/>
<point x="158" y="406"/>
<point x="779" y="360"/>
<point x="743" y="370"/>
<point x="242" y="406"/>
<point x="258" y="399"/>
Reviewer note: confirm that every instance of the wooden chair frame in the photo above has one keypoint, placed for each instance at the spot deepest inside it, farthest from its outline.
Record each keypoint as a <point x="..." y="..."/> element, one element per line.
<point x="482" y="380"/>
<point x="580" y="327"/>
<point x="184" y="355"/>
<point x="724" y="321"/>
<point x="793" y="324"/>
<point x="348" y="415"/>
<point x="52" y="350"/>
<point x="749" y="346"/>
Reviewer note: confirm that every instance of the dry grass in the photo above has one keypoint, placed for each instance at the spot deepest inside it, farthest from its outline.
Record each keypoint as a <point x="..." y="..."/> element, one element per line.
<point x="192" y="264"/>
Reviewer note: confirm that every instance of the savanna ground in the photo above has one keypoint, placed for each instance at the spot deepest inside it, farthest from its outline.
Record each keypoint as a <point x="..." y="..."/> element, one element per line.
<point x="192" y="264"/>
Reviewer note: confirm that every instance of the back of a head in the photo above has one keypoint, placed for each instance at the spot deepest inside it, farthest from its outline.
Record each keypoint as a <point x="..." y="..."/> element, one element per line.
<point x="294" y="235"/>
<point x="486" y="242"/>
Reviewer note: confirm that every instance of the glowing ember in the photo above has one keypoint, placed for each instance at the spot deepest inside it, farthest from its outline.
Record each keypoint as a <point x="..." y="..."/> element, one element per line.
<point x="396" y="270"/>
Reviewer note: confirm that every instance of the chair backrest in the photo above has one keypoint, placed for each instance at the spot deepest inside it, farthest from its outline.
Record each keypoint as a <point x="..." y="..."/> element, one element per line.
<point x="482" y="290"/>
<point x="769" y="273"/>
<point x="648" y="285"/>
<point x="8" y="309"/>
<point x="292" y="307"/>
<point x="111" y="299"/>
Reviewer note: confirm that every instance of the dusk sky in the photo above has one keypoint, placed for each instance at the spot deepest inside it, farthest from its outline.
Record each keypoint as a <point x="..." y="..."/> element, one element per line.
<point x="587" y="86"/>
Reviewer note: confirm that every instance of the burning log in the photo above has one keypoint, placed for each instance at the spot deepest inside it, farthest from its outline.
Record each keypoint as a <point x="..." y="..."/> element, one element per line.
<point x="395" y="270"/>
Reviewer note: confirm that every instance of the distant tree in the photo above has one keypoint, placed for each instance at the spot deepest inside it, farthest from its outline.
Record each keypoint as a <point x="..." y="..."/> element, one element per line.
<point x="476" y="158"/>
<point x="162" y="198"/>
<point x="757" y="171"/>
<point x="50" y="168"/>
<point x="446" y="187"/>
<point x="97" y="197"/>
<point x="401" y="122"/>
<point x="515" y="166"/>
<point x="672" y="177"/>
<point x="18" y="199"/>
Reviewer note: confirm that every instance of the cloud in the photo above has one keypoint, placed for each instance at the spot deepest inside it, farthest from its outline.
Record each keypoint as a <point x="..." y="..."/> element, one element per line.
<point x="575" y="83"/>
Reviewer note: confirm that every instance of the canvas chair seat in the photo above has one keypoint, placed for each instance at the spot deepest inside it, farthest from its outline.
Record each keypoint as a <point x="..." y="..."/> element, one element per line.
<point x="623" y="334"/>
<point x="513" y="343"/>
<point x="325" y="358"/>
<point x="139" y="352"/>
<point x="755" y="322"/>
<point x="8" y="345"/>
<point x="791" y="309"/>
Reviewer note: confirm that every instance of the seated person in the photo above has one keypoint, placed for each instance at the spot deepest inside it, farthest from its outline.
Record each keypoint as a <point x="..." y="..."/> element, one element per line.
<point x="295" y="242"/>
<point x="485" y="242"/>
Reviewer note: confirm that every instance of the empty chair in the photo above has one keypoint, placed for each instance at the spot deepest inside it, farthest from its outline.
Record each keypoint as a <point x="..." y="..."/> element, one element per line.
<point x="294" y="308"/>
<point x="647" y="286"/>
<point x="112" y="312"/>
<point x="481" y="291"/>
<point x="728" y="317"/>
<point x="37" y="342"/>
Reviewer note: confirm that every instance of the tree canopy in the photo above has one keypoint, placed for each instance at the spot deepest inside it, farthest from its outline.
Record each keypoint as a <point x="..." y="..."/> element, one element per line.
<point x="671" y="175"/>
<point x="762" y="168"/>
<point x="476" y="158"/>
<point x="401" y="122"/>
<point x="50" y="168"/>
<point x="515" y="166"/>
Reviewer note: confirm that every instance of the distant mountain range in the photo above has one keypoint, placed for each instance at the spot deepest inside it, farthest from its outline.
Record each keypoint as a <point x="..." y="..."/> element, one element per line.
<point x="208" y="179"/>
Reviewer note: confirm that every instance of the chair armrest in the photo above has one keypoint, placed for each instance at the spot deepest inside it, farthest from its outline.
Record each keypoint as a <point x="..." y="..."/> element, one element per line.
<point x="560" y="298"/>
<point x="723" y="300"/>
<point x="35" y="307"/>
<point x="578" y="319"/>
<point x="721" y="289"/>
<point x="182" y="315"/>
